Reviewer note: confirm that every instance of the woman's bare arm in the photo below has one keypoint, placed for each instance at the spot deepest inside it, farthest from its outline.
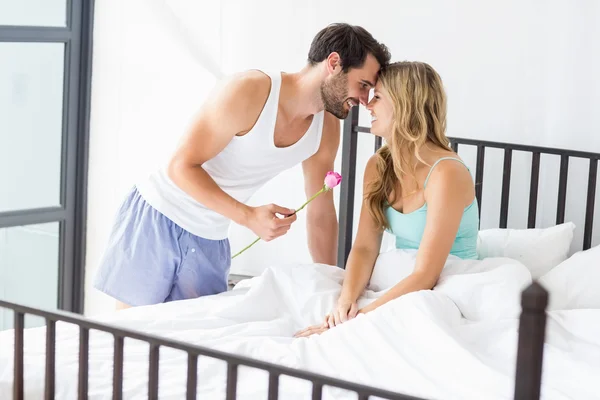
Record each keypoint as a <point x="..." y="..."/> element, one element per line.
<point x="448" y="191"/>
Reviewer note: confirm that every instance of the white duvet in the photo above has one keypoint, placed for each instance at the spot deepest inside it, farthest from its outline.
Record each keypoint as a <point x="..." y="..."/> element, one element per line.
<point x="457" y="341"/>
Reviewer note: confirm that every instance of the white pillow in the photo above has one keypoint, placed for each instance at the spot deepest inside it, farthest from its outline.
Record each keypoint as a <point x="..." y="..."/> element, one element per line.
<point x="391" y="267"/>
<point x="575" y="283"/>
<point x="539" y="250"/>
<point x="487" y="289"/>
<point x="481" y="289"/>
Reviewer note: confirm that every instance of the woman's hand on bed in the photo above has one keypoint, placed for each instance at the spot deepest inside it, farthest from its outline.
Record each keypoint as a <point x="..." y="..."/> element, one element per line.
<point x="345" y="310"/>
<point x="312" y="330"/>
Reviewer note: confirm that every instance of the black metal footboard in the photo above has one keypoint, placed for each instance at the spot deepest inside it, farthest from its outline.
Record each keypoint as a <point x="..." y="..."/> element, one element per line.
<point x="527" y="383"/>
<point x="156" y="342"/>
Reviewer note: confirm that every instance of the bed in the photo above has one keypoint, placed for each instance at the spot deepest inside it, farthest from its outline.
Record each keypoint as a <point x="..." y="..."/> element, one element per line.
<point x="486" y="331"/>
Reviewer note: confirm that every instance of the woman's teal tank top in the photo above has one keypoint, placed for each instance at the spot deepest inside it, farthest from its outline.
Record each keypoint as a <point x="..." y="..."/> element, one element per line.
<point x="409" y="228"/>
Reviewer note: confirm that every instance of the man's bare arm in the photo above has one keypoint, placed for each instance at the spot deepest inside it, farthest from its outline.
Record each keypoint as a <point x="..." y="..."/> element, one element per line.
<point x="232" y="109"/>
<point x="322" y="224"/>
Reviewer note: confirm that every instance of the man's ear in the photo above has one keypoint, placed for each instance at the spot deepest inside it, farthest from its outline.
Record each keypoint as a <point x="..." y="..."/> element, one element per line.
<point x="334" y="63"/>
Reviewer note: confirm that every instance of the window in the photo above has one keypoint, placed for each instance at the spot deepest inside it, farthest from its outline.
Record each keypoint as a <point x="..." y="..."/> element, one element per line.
<point x="45" y="74"/>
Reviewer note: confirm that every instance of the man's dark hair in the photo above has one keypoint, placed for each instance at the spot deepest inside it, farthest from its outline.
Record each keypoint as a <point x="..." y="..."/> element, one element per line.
<point x="351" y="42"/>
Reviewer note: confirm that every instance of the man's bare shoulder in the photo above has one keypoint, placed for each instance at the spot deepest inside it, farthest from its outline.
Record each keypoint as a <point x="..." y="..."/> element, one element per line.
<point x="240" y="98"/>
<point x="247" y="86"/>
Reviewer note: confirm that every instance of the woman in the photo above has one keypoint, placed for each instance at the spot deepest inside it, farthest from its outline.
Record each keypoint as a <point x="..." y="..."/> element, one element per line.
<point x="415" y="187"/>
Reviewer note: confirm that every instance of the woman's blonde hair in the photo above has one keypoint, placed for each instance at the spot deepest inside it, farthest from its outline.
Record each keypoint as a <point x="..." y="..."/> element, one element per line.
<point x="419" y="104"/>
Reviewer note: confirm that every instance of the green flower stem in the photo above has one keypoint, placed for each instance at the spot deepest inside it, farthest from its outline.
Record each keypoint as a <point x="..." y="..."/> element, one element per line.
<point x="323" y="189"/>
<point x="246" y="248"/>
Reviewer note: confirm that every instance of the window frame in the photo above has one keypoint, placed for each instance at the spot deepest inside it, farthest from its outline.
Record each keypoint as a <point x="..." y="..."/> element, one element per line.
<point x="77" y="37"/>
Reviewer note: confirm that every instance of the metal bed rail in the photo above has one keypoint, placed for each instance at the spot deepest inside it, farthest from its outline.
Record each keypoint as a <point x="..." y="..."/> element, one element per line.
<point x="532" y="327"/>
<point x="156" y="342"/>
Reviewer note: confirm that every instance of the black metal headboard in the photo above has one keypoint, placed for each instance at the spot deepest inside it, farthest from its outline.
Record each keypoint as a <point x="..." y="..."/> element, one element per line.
<point x="349" y="149"/>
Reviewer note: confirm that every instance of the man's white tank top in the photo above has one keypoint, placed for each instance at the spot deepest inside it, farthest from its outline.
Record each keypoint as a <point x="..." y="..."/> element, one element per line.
<point x="244" y="165"/>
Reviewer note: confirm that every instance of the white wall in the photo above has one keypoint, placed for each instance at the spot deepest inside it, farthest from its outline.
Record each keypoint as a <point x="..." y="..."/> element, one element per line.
<point x="515" y="71"/>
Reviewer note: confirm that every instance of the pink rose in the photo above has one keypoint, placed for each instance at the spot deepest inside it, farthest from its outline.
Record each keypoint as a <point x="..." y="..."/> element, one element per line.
<point x="332" y="179"/>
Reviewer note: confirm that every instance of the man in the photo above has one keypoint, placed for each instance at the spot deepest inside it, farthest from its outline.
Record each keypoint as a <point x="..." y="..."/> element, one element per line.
<point x="170" y="238"/>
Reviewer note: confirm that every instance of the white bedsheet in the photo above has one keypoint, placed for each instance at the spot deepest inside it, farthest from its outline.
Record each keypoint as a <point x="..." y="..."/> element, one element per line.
<point x="456" y="342"/>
